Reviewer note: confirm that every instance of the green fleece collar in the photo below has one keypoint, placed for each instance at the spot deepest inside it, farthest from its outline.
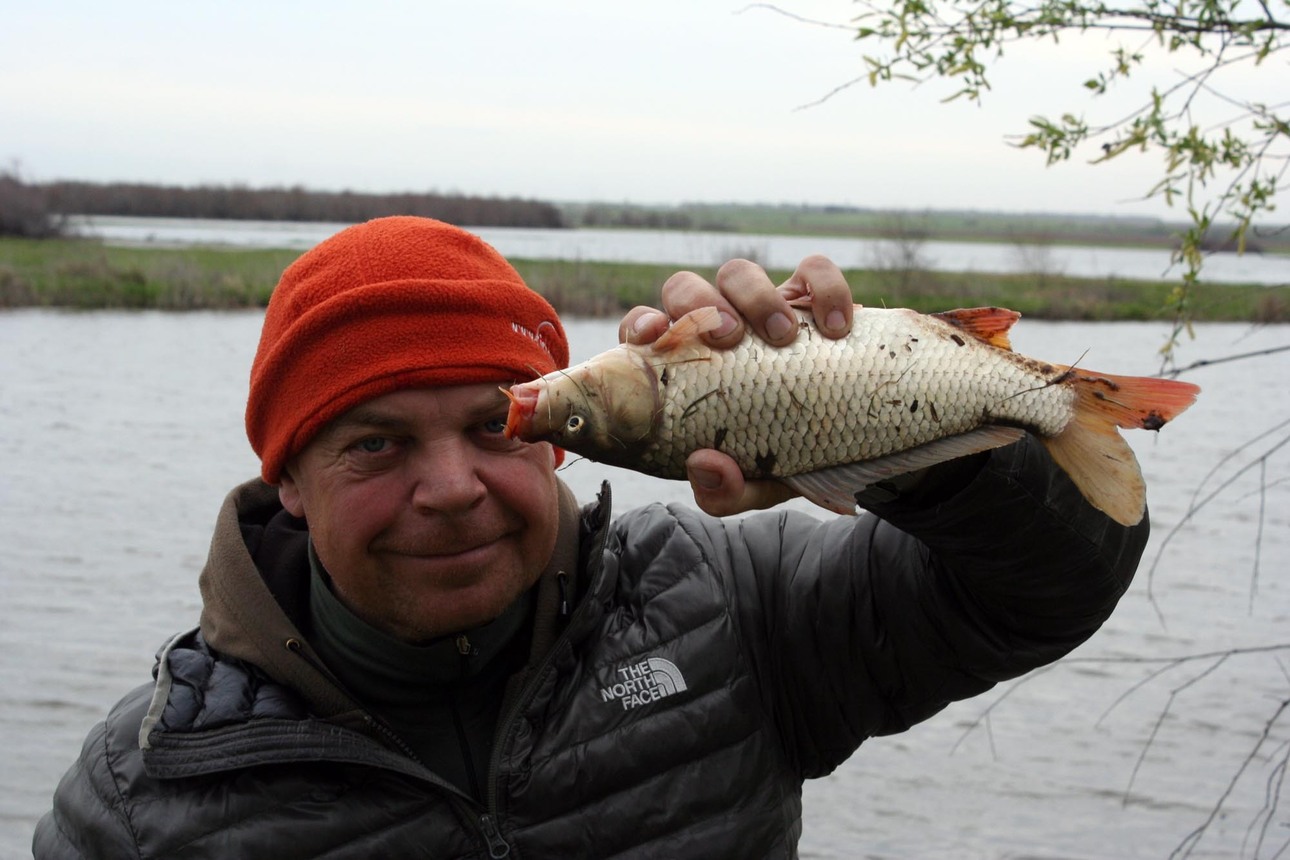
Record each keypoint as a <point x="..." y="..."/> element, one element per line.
<point x="376" y="667"/>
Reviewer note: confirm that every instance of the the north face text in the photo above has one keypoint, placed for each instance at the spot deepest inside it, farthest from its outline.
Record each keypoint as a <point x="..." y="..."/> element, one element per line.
<point x="644" y="682"/>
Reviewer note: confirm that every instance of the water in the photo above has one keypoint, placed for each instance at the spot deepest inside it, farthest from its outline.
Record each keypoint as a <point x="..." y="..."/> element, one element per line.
<point x="121" y="432"/>
<point x="697" y="248"/>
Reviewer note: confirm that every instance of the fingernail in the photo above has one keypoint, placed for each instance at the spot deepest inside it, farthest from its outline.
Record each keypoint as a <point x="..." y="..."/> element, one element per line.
<point x="728" y="324"/>
<point x="835" y="321"/>
<point x="778" y="326"/>
<point x="644" y="321"/>
<point x="706" y="479"/>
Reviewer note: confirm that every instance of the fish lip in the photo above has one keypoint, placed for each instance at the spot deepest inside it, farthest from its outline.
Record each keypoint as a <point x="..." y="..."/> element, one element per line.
<point x="519" y="417"/>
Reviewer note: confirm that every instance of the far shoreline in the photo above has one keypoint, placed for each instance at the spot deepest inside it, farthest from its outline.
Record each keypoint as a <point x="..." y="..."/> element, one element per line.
<point x="87" y="274"/>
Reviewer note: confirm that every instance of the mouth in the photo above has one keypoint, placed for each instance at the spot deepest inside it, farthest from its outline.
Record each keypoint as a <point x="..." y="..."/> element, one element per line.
<point x="519" y="418"/>
<point x="447" y="553"/>
<point x="456" y="547"/>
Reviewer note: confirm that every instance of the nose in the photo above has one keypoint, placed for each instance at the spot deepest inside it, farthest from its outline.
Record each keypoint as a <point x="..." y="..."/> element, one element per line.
<point x="447" y="478"/>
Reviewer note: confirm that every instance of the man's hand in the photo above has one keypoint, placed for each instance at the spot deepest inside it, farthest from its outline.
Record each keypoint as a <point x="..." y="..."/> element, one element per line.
<point x="745" y="296"/>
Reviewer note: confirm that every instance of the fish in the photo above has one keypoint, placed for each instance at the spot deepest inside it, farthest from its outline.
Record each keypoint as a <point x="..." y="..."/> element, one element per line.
<point x="830" y="417"/>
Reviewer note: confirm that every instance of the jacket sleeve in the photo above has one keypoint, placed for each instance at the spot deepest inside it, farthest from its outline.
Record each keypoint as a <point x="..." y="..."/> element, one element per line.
<point x="89" y="818"/>
<point x="865" y="626"/>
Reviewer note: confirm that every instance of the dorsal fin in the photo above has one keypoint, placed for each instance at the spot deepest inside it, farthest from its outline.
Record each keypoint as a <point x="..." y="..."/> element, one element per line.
<point x="985" y="324"/>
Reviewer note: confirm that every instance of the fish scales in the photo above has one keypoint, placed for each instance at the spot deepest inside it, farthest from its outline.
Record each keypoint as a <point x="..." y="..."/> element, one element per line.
<point x="899" y="379"/>
<point x="829" y="417"/>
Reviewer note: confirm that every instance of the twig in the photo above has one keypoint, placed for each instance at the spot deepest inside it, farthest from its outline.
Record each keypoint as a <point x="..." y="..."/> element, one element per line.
<point x="1258" y="536"/>
<point x="1206" y="362"/>
<point x="985" y="713"/>
<point x="1155" y="729"/>
<point x="1271" y="800"/>
<point x="1194" y="509"/>
<point x="1189" y="842"/>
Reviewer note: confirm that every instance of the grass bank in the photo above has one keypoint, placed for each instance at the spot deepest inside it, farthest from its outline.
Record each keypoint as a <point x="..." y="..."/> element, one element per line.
<point x="87" y="274"/>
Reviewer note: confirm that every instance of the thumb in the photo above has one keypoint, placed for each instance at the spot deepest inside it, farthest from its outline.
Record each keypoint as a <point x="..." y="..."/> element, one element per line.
<point x="720" y="489"/>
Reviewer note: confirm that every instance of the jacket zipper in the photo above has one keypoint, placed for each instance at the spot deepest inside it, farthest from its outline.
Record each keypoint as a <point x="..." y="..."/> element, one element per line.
<point x="293" y="645"/>
<point x="497" y="846"/>
<point x="531" y="683"/>
<point x="467" y="652"/>
<point x="486" y="822"/>
<point x="562" y="580"/>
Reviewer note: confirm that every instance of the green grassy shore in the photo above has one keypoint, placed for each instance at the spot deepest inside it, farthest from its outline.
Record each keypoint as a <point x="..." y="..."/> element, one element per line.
<point x="78" y="273"/>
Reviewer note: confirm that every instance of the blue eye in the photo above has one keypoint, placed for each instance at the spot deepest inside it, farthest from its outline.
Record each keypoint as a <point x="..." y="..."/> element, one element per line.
<point x="494" y="425"/>
<point x="373" y="445"/>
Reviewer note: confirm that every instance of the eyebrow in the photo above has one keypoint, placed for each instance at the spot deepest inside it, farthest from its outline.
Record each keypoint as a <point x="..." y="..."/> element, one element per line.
<point x="363" y="417"/>
<point x="367" y="417"/>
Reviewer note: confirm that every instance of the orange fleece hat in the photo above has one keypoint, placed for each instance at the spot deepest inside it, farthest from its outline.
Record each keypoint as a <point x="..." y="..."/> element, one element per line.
<point x="394" y="303"/>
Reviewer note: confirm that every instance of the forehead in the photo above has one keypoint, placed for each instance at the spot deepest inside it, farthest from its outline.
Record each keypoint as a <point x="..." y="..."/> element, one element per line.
<point x="446" y="405"/>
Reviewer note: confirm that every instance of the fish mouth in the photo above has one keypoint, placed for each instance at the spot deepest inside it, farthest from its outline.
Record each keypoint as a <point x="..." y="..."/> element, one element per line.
<point x="519" y="418"/>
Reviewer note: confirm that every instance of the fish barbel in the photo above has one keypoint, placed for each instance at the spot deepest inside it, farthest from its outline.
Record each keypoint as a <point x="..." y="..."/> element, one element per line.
<point x="829" y="417"/>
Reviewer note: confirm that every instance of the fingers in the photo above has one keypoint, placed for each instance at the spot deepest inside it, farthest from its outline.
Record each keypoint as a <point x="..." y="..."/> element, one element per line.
<point x="642" y="325"/>
<point x="749" y="289"/>
<point x="682" y="293"/>
<point x="745" y="296"/>
<point x="767" y="308"/>
<point x="720" y="489"/>
<point x="686" y="291"/>
<point x="831" y="302"/>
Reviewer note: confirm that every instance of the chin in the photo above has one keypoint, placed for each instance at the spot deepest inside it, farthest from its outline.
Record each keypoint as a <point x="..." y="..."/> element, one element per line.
<point x="459" y="612"/>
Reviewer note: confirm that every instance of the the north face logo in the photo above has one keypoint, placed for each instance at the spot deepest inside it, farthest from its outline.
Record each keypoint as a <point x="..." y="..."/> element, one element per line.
<point x="644" y="682"/>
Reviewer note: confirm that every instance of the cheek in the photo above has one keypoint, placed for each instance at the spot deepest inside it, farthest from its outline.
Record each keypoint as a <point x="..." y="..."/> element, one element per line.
<point x="352" y="516"/>
<point x="528" y="486"/>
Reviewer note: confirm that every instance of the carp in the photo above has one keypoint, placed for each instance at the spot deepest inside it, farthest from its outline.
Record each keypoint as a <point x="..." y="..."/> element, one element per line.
<point x="827" y="417"/>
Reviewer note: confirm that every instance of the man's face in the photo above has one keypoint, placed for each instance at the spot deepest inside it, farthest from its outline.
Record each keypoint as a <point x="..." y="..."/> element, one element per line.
<point x="429" y="520"/>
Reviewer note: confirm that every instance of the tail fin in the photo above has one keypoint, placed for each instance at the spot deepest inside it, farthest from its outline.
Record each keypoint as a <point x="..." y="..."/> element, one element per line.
<point x="1092" y="451"/>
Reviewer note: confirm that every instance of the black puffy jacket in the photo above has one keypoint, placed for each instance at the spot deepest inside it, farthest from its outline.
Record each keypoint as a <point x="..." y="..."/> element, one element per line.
<point x="709" y="667"/>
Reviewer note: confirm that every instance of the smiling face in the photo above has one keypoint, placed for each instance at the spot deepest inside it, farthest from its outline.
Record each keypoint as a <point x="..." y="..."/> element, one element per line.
<point x="428" y="518"/>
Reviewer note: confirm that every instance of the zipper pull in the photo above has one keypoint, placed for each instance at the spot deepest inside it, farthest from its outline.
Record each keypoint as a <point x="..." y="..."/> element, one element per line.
<point x="464" y="648"/>
<point x="562" y="580"/>
<point x="497" y="846"/>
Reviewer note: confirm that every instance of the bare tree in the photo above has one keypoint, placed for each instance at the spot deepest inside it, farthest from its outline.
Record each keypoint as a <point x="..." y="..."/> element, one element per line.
<point x="24" y="209"/>
<point x="903" y="249"/>
<point x="1035" y="257"/>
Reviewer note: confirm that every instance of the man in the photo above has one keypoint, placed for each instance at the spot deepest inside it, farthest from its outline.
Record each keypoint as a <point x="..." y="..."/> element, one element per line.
<point x="414" y="643"/>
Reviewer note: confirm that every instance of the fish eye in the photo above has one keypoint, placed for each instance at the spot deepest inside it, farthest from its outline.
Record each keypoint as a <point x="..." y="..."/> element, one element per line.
<point x="575" y="424"/>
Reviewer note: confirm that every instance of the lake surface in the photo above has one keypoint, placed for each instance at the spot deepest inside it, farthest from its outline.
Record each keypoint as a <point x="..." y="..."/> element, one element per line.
<point x="121" y="432"/>
<point x="698" y="248"/>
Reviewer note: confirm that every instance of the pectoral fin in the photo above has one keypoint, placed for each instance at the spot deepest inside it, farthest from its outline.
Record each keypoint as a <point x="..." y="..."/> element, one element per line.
<point x="681" y="341"/>
<point x="835" y="488"/>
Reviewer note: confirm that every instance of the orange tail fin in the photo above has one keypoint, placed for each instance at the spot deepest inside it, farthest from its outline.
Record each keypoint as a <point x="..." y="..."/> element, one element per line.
<point x="1091" y="449"/>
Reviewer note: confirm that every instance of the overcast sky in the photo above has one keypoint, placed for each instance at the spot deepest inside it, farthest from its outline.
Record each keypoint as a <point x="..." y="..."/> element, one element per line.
<point x="656" y="101"/>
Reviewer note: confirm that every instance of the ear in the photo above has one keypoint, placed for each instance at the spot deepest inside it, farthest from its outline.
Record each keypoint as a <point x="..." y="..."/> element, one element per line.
<point x="289" y="495"/>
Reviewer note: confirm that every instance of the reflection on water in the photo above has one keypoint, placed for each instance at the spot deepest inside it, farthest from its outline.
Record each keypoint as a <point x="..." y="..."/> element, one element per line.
<point x="121" y="432"/>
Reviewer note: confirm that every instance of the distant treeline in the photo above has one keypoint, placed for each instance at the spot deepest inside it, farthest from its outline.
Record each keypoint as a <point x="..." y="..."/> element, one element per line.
<point x="55" y="200"/>
<point x="636" y="217"/>
<point x="293" y="204"/>
<point x="37" y="210"/>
